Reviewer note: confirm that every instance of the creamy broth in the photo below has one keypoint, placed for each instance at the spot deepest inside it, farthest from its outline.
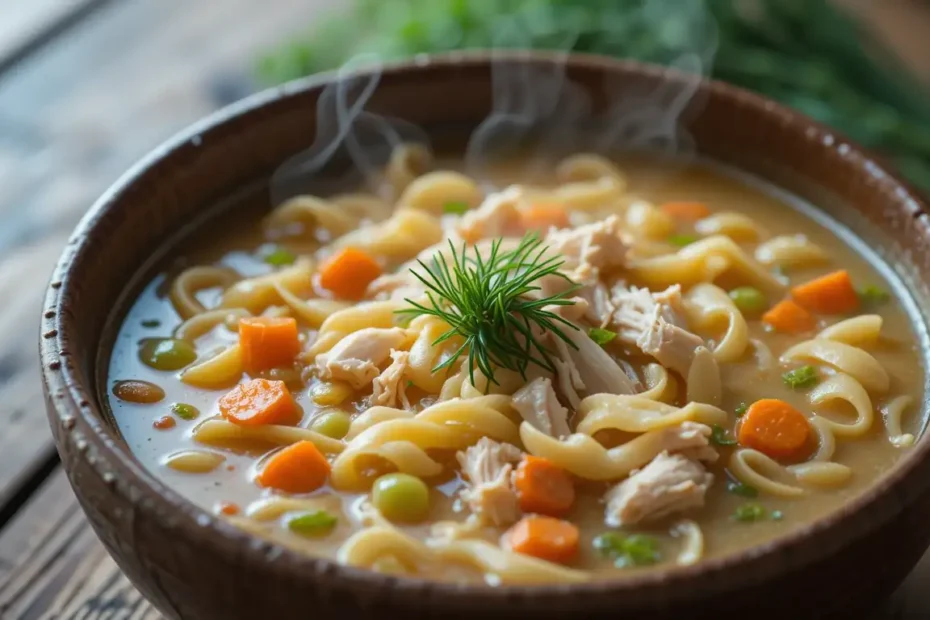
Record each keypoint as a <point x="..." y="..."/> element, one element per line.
<point x="732" y="518"/>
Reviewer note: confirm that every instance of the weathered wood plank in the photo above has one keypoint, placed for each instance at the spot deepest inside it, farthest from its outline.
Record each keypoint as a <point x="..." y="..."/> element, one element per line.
<point x="27" y="24"/>
<point x="71" y="120"/>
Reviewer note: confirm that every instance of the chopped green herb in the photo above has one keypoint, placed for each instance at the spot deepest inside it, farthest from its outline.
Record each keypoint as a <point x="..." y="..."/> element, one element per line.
<point x="777" y="515"/>
<point x="626" y="551"/>
<point x="185" y="411"/>
<point x="743" y="490"/>
<point x="873" y="296"/>
<point x="601" y="336"/>
<point x="455" y="207"/>
<point x="750" y="512"/>
<point x="409" y="383"/>
<point x="316" y="523"/>
<point x="748" y="300"/>
<point x="279" y="257"/>
<point x="151" y="323"/>
<point x="721" y="436"/>
<point x="682" y="240"/>
<point x="741" y="410"/>
<point x="166" y="353"/>
<point x="800" y="378"/>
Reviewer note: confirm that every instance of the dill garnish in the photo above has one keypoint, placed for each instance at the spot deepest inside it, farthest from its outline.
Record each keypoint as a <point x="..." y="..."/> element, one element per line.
<point x="485" y="301"/>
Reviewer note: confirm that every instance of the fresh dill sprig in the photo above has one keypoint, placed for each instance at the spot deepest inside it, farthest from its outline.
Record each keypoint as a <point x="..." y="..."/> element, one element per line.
<point x="486" y="301"/>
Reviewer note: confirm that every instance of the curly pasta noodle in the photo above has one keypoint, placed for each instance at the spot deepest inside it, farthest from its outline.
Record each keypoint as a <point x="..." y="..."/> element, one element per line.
<point x="219" y="371"/>
<point x="768" y="476"/>
<point x="842" y="387"/>
<point x="843" y="358"/>
<point x="704" y="261"/>
<point x="432" y="191"/>
<point x="588" y="167"/>
<point x="892" y="412"/>
<point x="704" y="384"/>
<point x="636" y="414"/>
<point x="407" y="162"/>
<point x="205" y="322"/>
<point x="424" y="356"/>
<point x="661" y="385"/>
<point x="736" y="226"/>
<point x="308" y="215"/>
<point x="709" y="307"/>
<point x="450" y="425"/>
<point x="400" y="237"/>
<point x="859" y="331"/>
<point x="692" y="548"/>
<point x="648" y="221"/>
<point x="338" y="325"/>
<point x="184" y="288"/>
<point x="790" y="251"/>
<point x="218" y="432"/>
<point x="272" y="508"/>
<point x="313" y="312"/>
<point x="258" y="293"/>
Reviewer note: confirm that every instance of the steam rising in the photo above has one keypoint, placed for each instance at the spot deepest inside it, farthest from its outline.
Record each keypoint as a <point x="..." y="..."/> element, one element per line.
<point x="533" y="105"/>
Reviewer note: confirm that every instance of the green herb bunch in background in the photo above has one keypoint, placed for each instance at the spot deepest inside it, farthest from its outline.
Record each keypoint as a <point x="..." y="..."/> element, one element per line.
<point x="804" y="53"/>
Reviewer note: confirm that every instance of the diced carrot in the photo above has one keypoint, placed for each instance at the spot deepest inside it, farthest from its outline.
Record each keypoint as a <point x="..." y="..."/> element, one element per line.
<point x="228" y="508"/>
<point x="543" y="216"/>
<point x="830" y="294"/>
<point x="775" y="428"/>
<point x="258" y="402"/>
<point x="348" y="272"/>
<point x="545" y="538"/>
<point x="790" y="318"/>
<point x="543" y="487"/>
<point x="688" y="211"/>
<point x="298" y="468"/>
<point x="268" y="342"/>
<point x="164" y="423"/>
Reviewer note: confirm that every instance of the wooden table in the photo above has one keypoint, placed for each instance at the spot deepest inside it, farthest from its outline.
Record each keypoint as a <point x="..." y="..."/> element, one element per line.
<point x="87" y="87"/>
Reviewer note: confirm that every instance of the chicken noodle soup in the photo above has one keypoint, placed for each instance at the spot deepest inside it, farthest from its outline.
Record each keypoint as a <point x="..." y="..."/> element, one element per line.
<point x="615" y="367"/>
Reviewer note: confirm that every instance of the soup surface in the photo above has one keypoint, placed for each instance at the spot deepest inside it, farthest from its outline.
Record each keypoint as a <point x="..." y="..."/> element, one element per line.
<point x="609" y="367"/>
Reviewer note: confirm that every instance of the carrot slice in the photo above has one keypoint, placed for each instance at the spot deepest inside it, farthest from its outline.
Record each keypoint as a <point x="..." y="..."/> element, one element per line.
<point x="298" y="468"/>
<point x="683" y="210"/>
<point x="789" y="317"/>
<point x="543" y="487"/>
<point x="268" y="342"/>
<point x="543" y="216"/>
<point x="830" y="294"/>
<point x="546" y="538"/>
<point x="775" y="428"/>
<point x="348" y="272"/>
<point x="258" y="402"/>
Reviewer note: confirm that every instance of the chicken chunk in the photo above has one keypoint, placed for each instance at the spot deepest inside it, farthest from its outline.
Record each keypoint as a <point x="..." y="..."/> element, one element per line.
<point x="536" y="403"/>
<point x="356" y="358"/>
<point x="399" y="285"/>
<point x="669" y="484"/>
<point x="496" y="217"/>
<point x="588" y="366"/>
<point x="654" y="322"/>
<point x="599" y="245"/>
<point x="389" y="386"/>
<point x="488" y="468"/>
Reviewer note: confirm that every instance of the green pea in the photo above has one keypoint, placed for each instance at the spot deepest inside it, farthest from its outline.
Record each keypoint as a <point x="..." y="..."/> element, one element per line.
<point x="185" y="411"/>
<point x="333" y="423"/>
<point x="401" y="497"/>
<point x="166" y="353"/>
<point x="749" y="300"/>
<point x="316" y="523"/>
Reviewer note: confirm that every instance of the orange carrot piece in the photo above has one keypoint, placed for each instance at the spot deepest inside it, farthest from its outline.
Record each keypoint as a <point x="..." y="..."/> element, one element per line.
<point x="543" y="487"/>
<point x="348" y="272"/>
<point x="775" y="428"/>
<point x="830" y="294"/>
<point x="228" y="508"/>
<point x="258" y="402"/>
<point x="789" y="317"/>
<point x="688" y="211"/>
<point x="268" y="342"/>
<point x="543" y="216"/>
<point x="545" y="538"/>
<point x="298" y="468"/>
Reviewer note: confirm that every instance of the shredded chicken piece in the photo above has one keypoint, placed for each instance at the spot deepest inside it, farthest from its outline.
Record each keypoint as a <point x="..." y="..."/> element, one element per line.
<point x="691" y="439"/>
<point x="654" y="322"/>
<point x="356" y="358"/>
<point x="389" y="385"/>
<point x="395" y="285"/>
<point x="536" y="403"/>
<point x="588" y="367"/>
<point x="489" y="493"/>
<point x="599" y="245"/>
<point x="495" y="217"/>
<point x="670" y="483"/>
<point x="598" y="307"/>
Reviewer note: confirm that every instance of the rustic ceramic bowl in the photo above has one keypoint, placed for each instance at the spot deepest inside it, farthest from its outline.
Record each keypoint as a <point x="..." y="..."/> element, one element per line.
<point x="192" y="565"/>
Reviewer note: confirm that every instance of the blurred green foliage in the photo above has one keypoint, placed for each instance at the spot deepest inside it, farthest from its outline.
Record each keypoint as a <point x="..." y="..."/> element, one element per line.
<point x="804" y="53"/>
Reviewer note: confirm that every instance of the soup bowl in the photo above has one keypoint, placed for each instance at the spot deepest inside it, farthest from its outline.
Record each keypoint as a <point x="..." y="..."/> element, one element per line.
<point x="193" y="565"/>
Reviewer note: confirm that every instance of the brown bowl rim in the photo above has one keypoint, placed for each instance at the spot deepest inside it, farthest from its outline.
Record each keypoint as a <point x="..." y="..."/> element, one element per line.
<point x="81" y="424"/>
